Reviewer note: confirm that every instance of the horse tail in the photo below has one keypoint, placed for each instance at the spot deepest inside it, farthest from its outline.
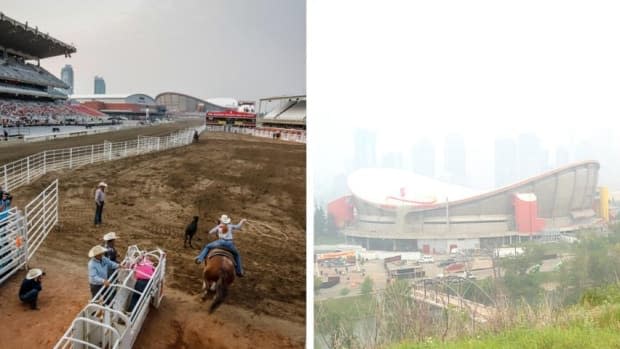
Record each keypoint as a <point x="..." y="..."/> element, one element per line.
<point x="221" y="290"/>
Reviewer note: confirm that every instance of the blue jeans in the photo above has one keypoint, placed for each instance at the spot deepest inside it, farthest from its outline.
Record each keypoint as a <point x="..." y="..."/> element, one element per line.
<point x="226" y="244"/>
<point x="140" y="286"/>
<point x="30" y="297"/>
<point x="98" y="213"/>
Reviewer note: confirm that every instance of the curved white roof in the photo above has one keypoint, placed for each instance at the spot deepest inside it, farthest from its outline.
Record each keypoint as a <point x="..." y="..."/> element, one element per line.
<point x="393" y="187"/>
<point x="223" y="102"/>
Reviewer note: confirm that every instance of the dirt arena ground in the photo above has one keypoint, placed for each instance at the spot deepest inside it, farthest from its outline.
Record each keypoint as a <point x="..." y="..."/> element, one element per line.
<point x="17" y="149"/>
<point x="150" y="200"/>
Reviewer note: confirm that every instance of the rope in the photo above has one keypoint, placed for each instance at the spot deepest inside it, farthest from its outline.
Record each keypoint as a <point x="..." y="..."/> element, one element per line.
<point x="284" y="236"/>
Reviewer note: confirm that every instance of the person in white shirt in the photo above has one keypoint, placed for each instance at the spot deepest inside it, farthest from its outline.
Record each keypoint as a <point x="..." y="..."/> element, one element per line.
<point x="99" y="201"/>
<point x="224" y="232"/>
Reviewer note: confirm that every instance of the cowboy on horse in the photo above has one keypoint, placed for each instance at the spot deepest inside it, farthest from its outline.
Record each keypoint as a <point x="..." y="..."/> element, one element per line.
<point x="224" y="232"/>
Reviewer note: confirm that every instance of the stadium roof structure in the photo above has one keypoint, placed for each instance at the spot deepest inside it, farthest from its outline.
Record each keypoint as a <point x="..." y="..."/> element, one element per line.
<point x="392" y="188"/>
<point x="25" y="41"/>
<point x="224" y="102"/>
<point x="283" y="97"/>
<point x="196" y="99"/>
<point x="107" y="96"/>
<point x="138" y="98"/>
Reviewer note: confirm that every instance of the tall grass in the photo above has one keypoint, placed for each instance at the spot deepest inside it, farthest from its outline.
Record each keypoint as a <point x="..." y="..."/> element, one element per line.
<point x="593" y="323"/>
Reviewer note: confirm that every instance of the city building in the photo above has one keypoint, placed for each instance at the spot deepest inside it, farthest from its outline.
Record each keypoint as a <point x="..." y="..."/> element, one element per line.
<point x="365" y="154"/>
<point x="423" y="158"/>
<point x="99" y="85"/>
<point x="454" y="158"/>
<point x="505" y="161"/>
<point x="66" y="75"/>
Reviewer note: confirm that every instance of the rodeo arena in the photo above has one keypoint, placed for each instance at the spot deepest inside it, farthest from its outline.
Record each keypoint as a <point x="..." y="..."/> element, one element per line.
<point x="168" y="174"/>
<point x="401" y="225"/>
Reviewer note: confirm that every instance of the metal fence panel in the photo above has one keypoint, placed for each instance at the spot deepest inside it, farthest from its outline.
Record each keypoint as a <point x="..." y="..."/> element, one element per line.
<point x="24" y="171"/>
<point x="13" y="248"/>
<point x="41" y="217"/>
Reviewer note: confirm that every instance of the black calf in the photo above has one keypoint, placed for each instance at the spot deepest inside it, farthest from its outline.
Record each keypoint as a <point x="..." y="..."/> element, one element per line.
<point x="190" y="231"/>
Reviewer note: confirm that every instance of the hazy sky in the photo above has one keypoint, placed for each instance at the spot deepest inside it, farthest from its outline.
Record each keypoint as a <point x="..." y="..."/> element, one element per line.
<point x="484" y="69"/>
<point x="216" y="48"/>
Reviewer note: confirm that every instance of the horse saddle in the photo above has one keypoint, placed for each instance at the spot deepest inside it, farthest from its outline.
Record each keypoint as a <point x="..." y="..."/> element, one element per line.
<point x="221" y="252"/>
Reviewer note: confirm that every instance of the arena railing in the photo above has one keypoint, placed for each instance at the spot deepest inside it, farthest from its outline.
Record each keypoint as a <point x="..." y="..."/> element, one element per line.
<point x="26" y="170"/>
<point x="292" y="136"/>
<point x="22" y="234"/>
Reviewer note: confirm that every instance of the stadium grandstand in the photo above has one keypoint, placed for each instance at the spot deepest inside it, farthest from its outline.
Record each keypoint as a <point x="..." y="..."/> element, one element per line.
<point x="182" y="104"/>
<point x="391" y="209"/>
<point x="137" y="106"/>
<point x="29" y="94"/>
<point x="282" y="112"/>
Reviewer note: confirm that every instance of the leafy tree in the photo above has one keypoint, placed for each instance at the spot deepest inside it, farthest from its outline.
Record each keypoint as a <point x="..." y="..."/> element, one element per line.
<point x="345" y="291"/>
<point x="320" y="221"/>
<point x="317" y="284"/>
<point x="332" y="228"/>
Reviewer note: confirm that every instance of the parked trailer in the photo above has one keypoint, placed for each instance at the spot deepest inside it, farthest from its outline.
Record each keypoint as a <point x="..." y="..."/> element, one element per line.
<point x="104" y="322"/>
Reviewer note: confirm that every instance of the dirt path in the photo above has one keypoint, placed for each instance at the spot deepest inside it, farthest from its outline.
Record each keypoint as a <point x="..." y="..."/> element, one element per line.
<point x="150" y="200"/>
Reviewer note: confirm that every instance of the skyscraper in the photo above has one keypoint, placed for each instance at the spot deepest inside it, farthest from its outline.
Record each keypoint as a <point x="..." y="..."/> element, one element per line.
<point x="505" y="161"/>
<point x="99" y="85"/>
<point x="531" y="156"/>
<point x="561" y="156"/>
<point x="66" y="75"/>
<point x="454" y="158"/>
<point x="423" y="158"/>
<point x="365" y="148"/>
<point x="392" y="160"/>
<point x="585" y="151"/>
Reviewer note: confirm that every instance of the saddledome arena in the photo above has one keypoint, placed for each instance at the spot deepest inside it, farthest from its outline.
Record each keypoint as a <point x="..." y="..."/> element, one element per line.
<point x="391" y="209"/>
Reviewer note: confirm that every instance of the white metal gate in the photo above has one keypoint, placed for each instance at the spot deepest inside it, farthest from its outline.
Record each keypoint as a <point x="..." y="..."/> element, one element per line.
<point x="41" y="217"/>
<point x="104" y="322"/>
<point x="22" y="234"/>
<point x="12" y="243"/>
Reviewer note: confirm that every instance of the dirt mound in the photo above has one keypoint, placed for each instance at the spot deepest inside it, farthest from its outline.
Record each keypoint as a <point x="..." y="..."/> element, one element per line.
<point x="152" y="198"/>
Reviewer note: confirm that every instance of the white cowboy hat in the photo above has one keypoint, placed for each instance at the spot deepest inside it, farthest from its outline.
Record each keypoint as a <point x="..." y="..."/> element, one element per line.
<point x="110" y="236"/>
<point x="95" y="251"/>
<point x="34" y="273"/>
<point x="225" y="219"/>
<point x="102" y="184"/>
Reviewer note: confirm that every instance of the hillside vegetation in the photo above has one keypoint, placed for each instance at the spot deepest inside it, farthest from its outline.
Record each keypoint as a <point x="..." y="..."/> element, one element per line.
<point x="594" y="323"/>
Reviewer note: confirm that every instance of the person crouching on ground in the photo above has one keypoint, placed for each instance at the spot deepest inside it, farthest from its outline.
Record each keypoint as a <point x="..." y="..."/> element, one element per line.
<point x="143" y="272"/>
<point x="30" y="288"/>
<point x="224" y="232"/>
<point x="99" y="201"/>
<point x="98" y="269"/>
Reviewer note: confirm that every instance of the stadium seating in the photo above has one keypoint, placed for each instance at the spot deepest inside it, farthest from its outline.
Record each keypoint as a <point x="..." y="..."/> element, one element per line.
<point x="34" y="113"/>
<point x="12" y="69"/>
<point x="291" y="111"/>
<point x="279" y="110"/>
<point x="297" y="112"/>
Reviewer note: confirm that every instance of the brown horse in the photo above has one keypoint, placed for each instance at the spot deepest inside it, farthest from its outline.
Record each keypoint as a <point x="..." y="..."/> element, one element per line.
<point x="218" y="274"/>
